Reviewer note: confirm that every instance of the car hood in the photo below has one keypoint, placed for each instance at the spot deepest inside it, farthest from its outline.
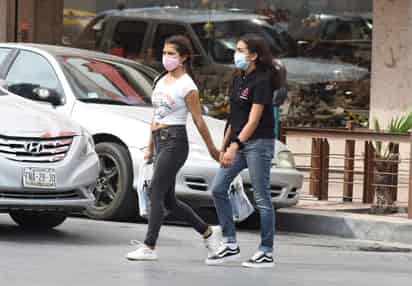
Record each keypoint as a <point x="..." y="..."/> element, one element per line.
<point x="22" y="118"/>
<point x="308" y="71"/>
<point x="125" y="117"/>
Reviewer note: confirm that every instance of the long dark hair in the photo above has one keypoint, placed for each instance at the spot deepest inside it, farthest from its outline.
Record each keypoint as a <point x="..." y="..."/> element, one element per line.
<point x="265" y="61"/>
<point x="184" y="48"/>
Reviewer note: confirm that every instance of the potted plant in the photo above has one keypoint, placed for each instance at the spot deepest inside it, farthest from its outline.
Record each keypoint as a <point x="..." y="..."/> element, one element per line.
<point x="386" y="161"/>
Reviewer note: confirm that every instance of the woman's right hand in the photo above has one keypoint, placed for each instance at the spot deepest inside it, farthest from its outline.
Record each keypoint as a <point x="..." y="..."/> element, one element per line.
<point x="148" y="155"/>
<point x="222" y="153"/>
<point x="215" y="153"/>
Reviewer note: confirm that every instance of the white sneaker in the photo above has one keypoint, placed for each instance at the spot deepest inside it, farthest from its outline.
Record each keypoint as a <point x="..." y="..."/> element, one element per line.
<point x="142" y="253"/>
<point x="213" y="242"/>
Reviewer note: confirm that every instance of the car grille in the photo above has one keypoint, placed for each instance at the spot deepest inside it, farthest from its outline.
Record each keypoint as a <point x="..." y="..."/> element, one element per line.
<point x="292" y="194"/>
<point x="275" y="191"/>
<point x="42" y="195"/>
<point x="196" y="183"/>
<point x="39" y="150"/>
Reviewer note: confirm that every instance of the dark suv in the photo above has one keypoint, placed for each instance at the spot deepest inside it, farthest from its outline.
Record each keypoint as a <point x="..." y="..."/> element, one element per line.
<point x="140" y="33"/>
<point x="344" y="37"/>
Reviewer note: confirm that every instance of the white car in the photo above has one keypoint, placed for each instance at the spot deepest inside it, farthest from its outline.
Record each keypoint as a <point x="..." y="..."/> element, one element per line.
<point x="110" y="97"/>
<point x="48" y="165"/>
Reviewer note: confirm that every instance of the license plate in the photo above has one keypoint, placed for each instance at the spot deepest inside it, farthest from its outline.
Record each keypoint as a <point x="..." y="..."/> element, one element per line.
<point x="43" y="178"/>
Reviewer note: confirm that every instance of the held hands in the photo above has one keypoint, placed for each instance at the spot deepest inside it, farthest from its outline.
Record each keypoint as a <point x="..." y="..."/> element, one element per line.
<point x="226" y="159"/>
<point x="214" y="152"/>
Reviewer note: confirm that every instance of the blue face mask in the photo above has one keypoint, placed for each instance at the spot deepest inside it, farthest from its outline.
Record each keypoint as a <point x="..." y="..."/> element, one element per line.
<point x="241" y="61"/>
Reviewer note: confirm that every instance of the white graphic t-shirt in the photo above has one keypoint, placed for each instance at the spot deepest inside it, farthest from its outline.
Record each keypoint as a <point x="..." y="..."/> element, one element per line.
<point x="168" y="100"/>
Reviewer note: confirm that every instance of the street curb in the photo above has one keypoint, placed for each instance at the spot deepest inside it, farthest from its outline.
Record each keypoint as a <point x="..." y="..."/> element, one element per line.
<point x="347" y="225"/>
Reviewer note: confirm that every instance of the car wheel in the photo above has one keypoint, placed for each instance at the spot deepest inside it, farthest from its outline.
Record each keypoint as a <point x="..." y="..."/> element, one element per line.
<point x="114" y="196"/>
<point x="38" y="220"/>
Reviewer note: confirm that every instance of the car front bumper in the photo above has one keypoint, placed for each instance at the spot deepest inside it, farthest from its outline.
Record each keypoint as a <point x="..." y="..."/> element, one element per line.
<point x="194" y="181"/>
<point x="76" y="178"/>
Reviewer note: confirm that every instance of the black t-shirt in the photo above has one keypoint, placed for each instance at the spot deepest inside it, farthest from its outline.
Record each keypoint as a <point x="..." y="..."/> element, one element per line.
<point x="254" y="88"/>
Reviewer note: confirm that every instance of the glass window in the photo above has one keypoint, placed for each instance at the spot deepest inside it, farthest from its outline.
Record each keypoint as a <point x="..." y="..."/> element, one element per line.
<point x="347" y="30"/>
<point x="31" y="70"/>
<point x="163" y="32"/>
<point x="128" y="39"/>
<point x="330" y="31"/>
<point x="106" y="81"/>
<point x="219" y="38"/>
<point x="3" y="54"/>
<point x="91" y="36"/>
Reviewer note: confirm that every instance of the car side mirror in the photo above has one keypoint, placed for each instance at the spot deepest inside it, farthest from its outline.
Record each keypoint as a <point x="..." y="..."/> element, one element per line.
<point x="48" y="95"/>
<point x="67" y="41"/>
<point x="302" y="46"/>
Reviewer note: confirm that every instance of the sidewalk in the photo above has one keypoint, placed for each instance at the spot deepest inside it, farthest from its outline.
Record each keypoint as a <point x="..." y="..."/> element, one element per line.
<point x="349" y="220"/>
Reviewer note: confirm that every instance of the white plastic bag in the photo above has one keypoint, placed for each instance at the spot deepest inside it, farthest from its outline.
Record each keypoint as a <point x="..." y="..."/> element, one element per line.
<point x="242" y="208"/>
<point x="143" y="183"/>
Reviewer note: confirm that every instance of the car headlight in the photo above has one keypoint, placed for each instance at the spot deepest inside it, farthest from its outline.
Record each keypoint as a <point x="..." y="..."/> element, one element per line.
<point x="89" y="147"/>
<point x="285" y="160"/>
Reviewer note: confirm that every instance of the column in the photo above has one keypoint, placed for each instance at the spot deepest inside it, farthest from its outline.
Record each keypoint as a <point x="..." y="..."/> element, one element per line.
<point x="391" y="93"/>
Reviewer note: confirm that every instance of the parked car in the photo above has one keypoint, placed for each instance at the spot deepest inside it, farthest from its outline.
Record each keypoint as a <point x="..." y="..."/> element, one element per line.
<point x="322" y="93"/>
<point x="347" y="38"/>
<point x="48" y="165"/>
<point x="110" y="97"/>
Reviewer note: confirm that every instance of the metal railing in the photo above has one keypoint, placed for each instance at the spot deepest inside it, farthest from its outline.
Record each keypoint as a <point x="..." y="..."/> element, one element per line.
<point x="377" y="172"/>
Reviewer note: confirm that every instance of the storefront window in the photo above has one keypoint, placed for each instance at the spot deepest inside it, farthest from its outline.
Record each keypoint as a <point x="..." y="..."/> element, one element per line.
<point x="325" y="45"/>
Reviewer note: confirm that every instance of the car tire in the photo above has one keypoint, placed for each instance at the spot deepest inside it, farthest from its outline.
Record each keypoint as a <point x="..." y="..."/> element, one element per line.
<point x="117" y="201"/>
<point x="38" y="220"/>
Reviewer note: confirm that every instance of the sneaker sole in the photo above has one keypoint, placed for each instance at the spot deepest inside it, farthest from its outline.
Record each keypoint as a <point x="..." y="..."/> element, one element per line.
<point x="222" y="260"/>
<point x="261" y="265"/>
<point x="141" y="259"/>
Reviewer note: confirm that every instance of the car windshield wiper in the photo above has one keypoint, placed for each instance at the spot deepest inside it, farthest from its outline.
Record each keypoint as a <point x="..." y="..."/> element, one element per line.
<point x="103" y="101"/>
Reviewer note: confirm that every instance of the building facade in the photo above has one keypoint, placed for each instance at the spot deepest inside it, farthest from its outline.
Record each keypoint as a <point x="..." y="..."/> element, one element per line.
<point x="41" y="21"/>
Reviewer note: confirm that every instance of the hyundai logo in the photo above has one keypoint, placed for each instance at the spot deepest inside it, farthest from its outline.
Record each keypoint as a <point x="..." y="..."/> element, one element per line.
<point x="34" y="147"/>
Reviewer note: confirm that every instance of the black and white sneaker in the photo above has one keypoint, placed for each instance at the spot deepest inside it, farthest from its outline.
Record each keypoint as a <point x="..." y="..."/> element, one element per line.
<point x="224" y="254"/>
<point x="260" y="260"/>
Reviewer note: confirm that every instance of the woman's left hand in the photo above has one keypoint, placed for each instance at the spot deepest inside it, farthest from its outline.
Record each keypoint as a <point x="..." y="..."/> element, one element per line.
<point x="229" y="157"/>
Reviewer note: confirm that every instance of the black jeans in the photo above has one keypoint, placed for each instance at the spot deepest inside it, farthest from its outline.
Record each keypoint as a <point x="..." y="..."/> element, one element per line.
<point x="171" y="151"/>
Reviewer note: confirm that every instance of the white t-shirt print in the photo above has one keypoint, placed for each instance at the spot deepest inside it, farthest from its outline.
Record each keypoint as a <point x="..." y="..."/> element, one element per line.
<point x="168" y="100"/>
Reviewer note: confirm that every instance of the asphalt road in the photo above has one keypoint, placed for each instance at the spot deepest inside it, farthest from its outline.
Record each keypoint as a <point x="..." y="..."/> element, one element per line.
<point x="86" y="252"/>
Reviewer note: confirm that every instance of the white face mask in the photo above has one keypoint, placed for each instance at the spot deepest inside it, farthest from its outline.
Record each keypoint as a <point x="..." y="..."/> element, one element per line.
<point x="241" y="61"/>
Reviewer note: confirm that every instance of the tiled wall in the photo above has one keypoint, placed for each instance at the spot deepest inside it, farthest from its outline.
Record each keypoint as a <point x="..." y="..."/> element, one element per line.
<point x="392" y="59"/>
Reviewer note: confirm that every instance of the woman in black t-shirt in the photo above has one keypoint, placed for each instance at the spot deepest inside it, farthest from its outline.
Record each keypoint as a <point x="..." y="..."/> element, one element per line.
<point x="249" y="142"/>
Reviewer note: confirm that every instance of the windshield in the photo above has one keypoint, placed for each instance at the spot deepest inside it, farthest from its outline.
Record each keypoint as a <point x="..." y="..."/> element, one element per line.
<point x="106" y="81"/>
<point x="219" y="38"/>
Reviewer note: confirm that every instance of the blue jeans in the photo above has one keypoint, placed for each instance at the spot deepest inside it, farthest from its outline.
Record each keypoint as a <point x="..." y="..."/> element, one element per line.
<point x="257" y="156"/>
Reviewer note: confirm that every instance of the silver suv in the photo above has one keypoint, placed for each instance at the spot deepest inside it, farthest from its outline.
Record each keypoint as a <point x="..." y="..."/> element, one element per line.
<point x="48" y="166"/>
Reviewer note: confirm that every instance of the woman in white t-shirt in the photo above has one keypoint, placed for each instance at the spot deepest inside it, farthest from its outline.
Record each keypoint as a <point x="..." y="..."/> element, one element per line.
<point x="175" y="95"/>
